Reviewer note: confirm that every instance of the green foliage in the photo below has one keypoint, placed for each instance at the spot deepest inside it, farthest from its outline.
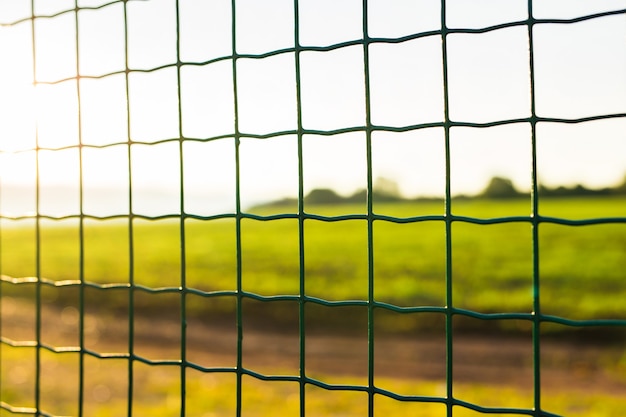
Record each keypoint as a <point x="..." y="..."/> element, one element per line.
<point x="579" y="190"/>
<point x="621" y="189"/>
<point x="385" y="191"/>
<point x="322" y="196"/>
<point x="499" y="187"/>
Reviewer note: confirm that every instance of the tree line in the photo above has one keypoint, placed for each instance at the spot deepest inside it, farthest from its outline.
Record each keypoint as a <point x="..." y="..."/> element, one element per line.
<point x="500" y="187"/>
<point x="386" y="190"/>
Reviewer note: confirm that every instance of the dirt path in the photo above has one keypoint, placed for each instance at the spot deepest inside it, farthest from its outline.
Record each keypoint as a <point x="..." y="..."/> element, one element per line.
<point x="489" y="359"/>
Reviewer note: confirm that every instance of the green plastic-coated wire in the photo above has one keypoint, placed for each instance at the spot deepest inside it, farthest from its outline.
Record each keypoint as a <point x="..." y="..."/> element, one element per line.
<point x="536" y="329"/>
<point x="301" y="217"/>
<point x="447" y="216"/>
<point x="238" y="211"/>
<point x="535" y="221"/>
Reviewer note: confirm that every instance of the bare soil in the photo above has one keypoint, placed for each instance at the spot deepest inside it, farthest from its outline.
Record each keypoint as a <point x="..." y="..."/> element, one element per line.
<point x="493" y="359"/>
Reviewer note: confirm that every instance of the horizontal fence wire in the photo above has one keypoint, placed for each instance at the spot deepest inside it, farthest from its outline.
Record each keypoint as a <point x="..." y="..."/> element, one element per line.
<point x="536" y="318"/>
<point x="315" y="300"/>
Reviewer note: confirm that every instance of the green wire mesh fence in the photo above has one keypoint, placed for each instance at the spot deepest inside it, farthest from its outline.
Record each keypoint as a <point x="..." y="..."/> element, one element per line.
<point x="239" y="302"/>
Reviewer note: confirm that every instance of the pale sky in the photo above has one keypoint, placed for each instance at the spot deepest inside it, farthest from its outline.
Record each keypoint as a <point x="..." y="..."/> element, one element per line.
<point x="580" y="72"/>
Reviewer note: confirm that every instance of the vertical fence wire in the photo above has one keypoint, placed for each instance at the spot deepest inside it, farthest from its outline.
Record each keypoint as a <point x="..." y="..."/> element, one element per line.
<point x="38" y="285"/>
<point x="81" y="229"/>
<point x="183" y="247"/>
<point x="536" y="323"/>
<point x="238" y="211"/>
<point x="301" y="246"/>
<point x="447" y="215"/>
<point x="131" y="228"/>
<point x="370" y="212"/>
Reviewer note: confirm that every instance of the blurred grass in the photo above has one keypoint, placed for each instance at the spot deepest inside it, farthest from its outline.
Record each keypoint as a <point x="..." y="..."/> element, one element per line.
<point x="157" y="392"/>
<point x="581" y="267"/>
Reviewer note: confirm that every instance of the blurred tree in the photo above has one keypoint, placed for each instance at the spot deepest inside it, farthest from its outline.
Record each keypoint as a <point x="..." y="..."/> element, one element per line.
<point x="385" y="190"/>
<point x="387" y="187"/>
<point x="500" y="187"/>
<point x="323" y="196"/>
<point x="621" y="188"/>
<point x="359" y="196"/>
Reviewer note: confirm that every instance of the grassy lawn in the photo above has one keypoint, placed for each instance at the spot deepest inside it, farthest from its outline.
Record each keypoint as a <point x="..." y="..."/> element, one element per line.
<point x="581" y="267"/>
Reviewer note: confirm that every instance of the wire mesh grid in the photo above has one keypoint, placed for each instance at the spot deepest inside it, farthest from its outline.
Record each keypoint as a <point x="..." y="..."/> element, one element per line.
<point x="304" y="301"/>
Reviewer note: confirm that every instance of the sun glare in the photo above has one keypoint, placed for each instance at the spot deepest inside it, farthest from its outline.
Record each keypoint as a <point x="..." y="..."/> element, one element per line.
<point x="45" y="112"/>
<point x="16" y="102"/>
<point x="35" y="117"/>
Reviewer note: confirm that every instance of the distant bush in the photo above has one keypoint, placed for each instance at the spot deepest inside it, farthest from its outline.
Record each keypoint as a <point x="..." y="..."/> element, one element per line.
<point x="323" y="196"/>
<point x="500" y="187"/>
<point x="621" y="189"/>
<point x="387" y="191"/>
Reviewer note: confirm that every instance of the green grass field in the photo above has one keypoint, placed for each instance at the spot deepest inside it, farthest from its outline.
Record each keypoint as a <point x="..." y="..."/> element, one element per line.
<point x="582" y="273"/>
